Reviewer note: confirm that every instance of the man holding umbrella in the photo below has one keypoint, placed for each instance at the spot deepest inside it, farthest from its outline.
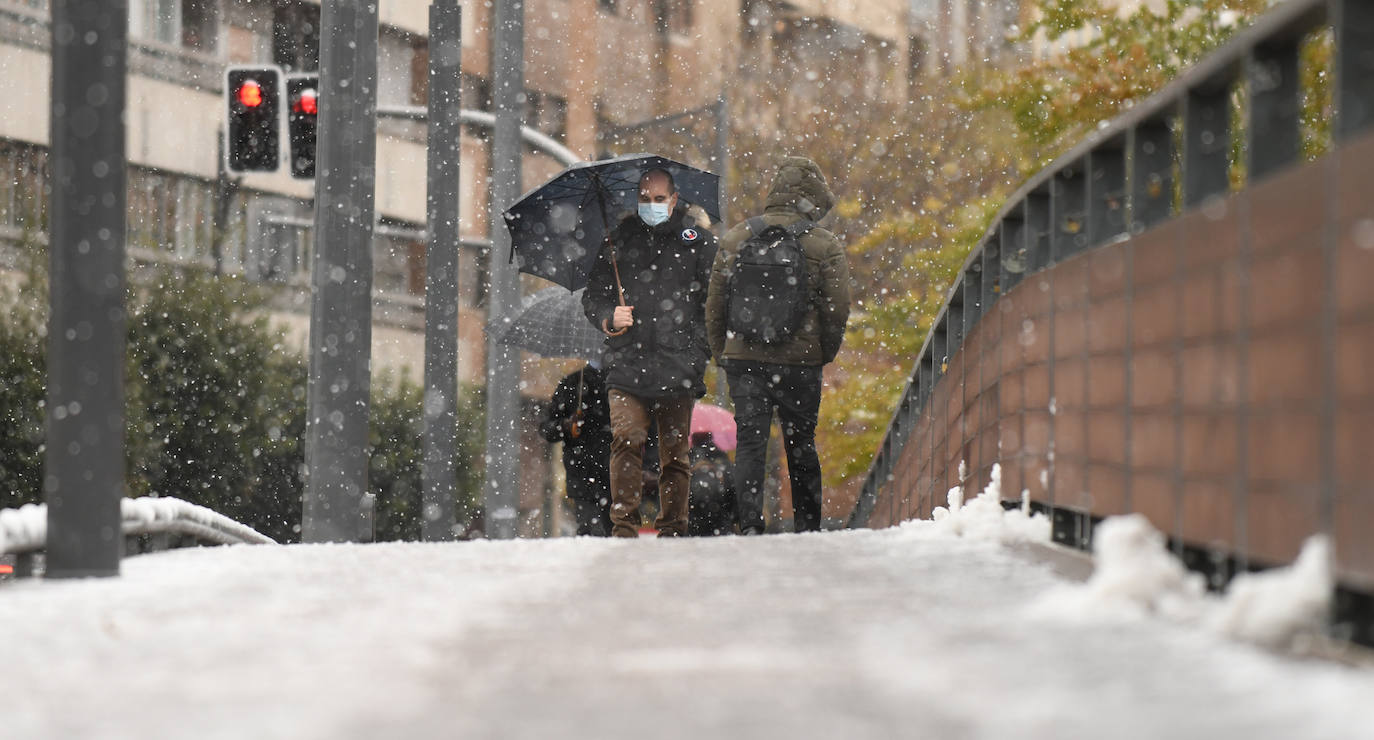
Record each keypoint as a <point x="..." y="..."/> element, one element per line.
<point x="647" y="292"/>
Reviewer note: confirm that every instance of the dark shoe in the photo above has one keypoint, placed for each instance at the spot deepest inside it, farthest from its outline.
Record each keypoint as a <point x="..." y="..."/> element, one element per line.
<point x="669" y="533"/>
<point x="750" y="531"/>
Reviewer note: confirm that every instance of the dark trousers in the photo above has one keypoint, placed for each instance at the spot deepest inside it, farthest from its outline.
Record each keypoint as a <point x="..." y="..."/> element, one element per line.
<point x="593" y="516"/>
<point x="589" y="486"/>
<point x="757" y="388"/>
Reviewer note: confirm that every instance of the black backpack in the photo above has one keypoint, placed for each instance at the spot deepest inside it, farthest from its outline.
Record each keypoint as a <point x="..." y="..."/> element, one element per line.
<point x="768" y="291"/>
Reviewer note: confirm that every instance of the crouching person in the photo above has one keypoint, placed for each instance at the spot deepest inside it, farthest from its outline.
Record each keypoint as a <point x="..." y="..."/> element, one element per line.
<point x="578" y="417"/>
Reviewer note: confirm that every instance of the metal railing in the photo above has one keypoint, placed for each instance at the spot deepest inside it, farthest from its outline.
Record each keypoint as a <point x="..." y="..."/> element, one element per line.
<point x="149" y="524"/>
<point x="1123" y="179"/>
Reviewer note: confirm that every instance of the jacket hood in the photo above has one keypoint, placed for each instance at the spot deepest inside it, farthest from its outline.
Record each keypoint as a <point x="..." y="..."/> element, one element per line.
<point x="799" y="184"/>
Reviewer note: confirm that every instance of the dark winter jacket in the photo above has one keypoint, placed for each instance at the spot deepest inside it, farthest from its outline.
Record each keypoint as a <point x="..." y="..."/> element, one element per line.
<point x="590" y="450"/>
<point x="798" y="192"/>
<point x="664" y="270"/>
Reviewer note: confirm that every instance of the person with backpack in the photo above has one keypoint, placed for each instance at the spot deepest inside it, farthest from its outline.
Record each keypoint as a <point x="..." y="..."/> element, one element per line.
<point x="578" y="417"/>
<point x="647" y="292"/>
<point x="776" y="312"/>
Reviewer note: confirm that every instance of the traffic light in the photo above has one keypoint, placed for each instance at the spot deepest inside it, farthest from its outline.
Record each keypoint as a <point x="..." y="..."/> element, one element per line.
<point x="303" y="101"/>
<point x="253" y="130"/>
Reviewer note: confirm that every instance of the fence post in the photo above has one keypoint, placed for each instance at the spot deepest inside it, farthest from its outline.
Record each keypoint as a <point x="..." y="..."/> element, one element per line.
<point x="443" y="153"/>
<point x="84" y="462"/>
<point x="503" y="363"/>
<point x="337" y="394"/>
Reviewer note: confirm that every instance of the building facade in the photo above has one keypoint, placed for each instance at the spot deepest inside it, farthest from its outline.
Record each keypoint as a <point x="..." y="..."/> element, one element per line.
<point x="950" y="34"/>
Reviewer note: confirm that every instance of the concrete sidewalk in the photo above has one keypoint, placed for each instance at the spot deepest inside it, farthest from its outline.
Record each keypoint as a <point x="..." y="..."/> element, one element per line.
<point x="830" y="636"/>
<point x="871" y="634"/>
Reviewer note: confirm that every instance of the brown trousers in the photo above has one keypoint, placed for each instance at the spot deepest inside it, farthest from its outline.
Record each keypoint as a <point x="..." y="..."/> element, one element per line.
<point x="630" y="416"/>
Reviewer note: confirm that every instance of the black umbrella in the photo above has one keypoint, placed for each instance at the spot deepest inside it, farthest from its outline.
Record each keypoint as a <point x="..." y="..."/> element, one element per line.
<point x="557" y="229"/>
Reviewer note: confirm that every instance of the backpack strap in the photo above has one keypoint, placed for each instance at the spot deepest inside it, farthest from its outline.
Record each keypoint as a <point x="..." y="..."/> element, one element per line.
<point x="798" y="229"/>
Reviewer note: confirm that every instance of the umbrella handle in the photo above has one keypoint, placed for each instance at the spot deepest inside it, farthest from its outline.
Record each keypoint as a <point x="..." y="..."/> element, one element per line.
<point x="619" y="289"/>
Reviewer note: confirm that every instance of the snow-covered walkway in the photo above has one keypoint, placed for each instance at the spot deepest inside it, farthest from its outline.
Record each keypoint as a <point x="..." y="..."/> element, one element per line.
<point x="907" y="632"/>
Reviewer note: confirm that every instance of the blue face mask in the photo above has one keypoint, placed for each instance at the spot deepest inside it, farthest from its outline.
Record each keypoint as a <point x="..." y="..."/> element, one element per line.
<point x="654" y="214"/>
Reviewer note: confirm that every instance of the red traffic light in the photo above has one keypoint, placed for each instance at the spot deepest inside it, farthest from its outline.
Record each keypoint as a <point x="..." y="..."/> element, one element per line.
<point x="253" y="107"/>
<point x="250" y="94"/>
<point x="307" y="102"/>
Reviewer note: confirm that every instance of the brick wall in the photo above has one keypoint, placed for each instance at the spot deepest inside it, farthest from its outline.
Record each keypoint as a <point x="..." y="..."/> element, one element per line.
<point x="1215" y="373"/>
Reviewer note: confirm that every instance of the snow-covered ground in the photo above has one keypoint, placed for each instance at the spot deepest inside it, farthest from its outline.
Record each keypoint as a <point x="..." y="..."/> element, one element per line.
<point x="945" y="629"/>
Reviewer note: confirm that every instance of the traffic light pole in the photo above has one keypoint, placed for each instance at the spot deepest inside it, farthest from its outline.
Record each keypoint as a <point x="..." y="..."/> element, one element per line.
<point x="503" y="363"/>
<point x="84" y="459"/>
<point x="337" y="394"/>
<point x="441" y="272"/>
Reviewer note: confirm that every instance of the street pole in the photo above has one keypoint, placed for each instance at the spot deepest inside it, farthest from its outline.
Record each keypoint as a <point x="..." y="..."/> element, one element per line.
<point x="341" y="305"/>
<point x="503" y="363"/>
<point x="441" y="272"/>
<point x="83" y="480"/>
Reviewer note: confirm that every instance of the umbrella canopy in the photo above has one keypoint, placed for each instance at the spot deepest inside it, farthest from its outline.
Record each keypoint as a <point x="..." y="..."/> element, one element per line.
<point x="551" y="323"/>
<point x="557" y="229"/>
<point x="719" y="422"/>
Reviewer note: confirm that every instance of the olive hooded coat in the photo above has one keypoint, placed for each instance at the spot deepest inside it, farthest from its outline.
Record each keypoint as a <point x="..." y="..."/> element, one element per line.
<point x="798" y="192"/>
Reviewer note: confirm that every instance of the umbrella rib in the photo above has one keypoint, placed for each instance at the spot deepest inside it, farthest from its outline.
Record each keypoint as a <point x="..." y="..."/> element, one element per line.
<point x="565" y="190"/>
<point x="624" y="182"/>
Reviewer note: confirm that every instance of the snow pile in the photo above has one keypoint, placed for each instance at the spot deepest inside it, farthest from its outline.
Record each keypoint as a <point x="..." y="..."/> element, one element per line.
<point x="168" y="514"/>
<point x="985" y="518"/>
<point x="1278" y="607"/>
<point x="1136" y="576"/>
<point x="148" y="511"/>
<point x="26" y="528"/>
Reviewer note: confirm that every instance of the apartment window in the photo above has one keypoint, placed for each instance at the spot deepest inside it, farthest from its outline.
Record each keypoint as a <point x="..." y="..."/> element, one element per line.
<point x="192" y="24"/>
<point x="476" y="93"/>
<point x="681" y="16"/>
<point x="35" y="4"/>
<point x="534" y="103"/>
<point x="610" y="6"/>
<point x="194" y="217"/>
<point x="170" y="214"/>
<point x="283" y="255"/>
<point x="916" y="57"/>
<point x="199" y="25"/>
<point x="150" y="212"/>
<point x="419" y="74"/>
<point x="751" y="14"/>
<point x="156" y="20"/>
<point x="23" y="187"/>
<point x="547" y="113"/>
<point x="296" y="36"/>
<point x="395" y="69"/>
<point x="398" y="259"/>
